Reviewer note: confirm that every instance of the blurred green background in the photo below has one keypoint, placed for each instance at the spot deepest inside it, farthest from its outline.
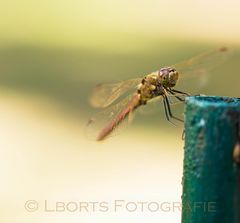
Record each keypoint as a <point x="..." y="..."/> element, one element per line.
<point x="52" y="54"/>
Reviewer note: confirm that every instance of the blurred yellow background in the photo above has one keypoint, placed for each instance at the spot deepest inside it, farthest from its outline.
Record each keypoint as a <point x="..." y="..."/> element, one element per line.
<point x="52" y="54"/>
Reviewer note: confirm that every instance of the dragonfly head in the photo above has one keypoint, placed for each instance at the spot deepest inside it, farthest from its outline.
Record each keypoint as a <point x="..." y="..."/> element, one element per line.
<point x="168" y="76"/>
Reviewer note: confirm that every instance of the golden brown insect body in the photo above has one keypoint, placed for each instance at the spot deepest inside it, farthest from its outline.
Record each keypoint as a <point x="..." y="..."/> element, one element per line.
<point x="152" y="85"/>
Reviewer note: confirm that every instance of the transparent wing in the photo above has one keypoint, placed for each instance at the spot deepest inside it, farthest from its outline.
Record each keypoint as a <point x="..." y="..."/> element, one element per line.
<point x="203" y="62"/>
<point x="195" y="71"/>
<point x="155" y="105"/>
<point x="105" y="94"/>
<point x="101" y="120"/>
<point x="108" y="115"/>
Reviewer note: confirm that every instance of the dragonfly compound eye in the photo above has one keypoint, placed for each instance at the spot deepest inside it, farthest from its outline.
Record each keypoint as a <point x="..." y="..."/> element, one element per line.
<point x="173" y="77"/>
<point x="163" y="73"/>
<point x="168" y="76"/>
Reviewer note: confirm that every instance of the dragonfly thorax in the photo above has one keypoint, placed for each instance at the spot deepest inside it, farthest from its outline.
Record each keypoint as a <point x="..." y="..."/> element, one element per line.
<point x="168" y="76"/>
<point x="150" y="87"/>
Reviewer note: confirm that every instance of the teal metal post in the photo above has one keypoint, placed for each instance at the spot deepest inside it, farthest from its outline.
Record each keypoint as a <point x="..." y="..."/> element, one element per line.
<point x="211" y="178"/>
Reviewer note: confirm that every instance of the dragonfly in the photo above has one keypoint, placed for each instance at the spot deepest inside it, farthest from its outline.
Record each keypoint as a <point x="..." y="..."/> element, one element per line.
<point x="140" y="91"/>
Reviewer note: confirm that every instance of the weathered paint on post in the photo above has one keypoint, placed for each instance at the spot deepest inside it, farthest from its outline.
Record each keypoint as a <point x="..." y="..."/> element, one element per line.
<point x="211" y="179"/>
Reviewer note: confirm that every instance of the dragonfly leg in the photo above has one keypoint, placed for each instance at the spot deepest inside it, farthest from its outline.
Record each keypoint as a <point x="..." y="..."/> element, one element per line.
<point x="169" y="109"/>
<point x="166" y="111"/>
<point x="183" y="135"/>
<point x="176" y="91"/>
<point x="172" y="93"/>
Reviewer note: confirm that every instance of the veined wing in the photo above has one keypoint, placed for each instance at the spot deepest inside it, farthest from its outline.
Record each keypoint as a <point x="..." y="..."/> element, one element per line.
<point x="105" y="94"/>
<point x="199" y="66"/>
<point x="106" y="121"/>
<point x="203" y="62"/>
<point x="117" y="116"/>
<point x="155" y="105"/>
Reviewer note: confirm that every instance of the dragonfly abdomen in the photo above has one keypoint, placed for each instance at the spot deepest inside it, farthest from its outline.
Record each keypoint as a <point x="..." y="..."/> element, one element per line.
<point x="132" y="105"/>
